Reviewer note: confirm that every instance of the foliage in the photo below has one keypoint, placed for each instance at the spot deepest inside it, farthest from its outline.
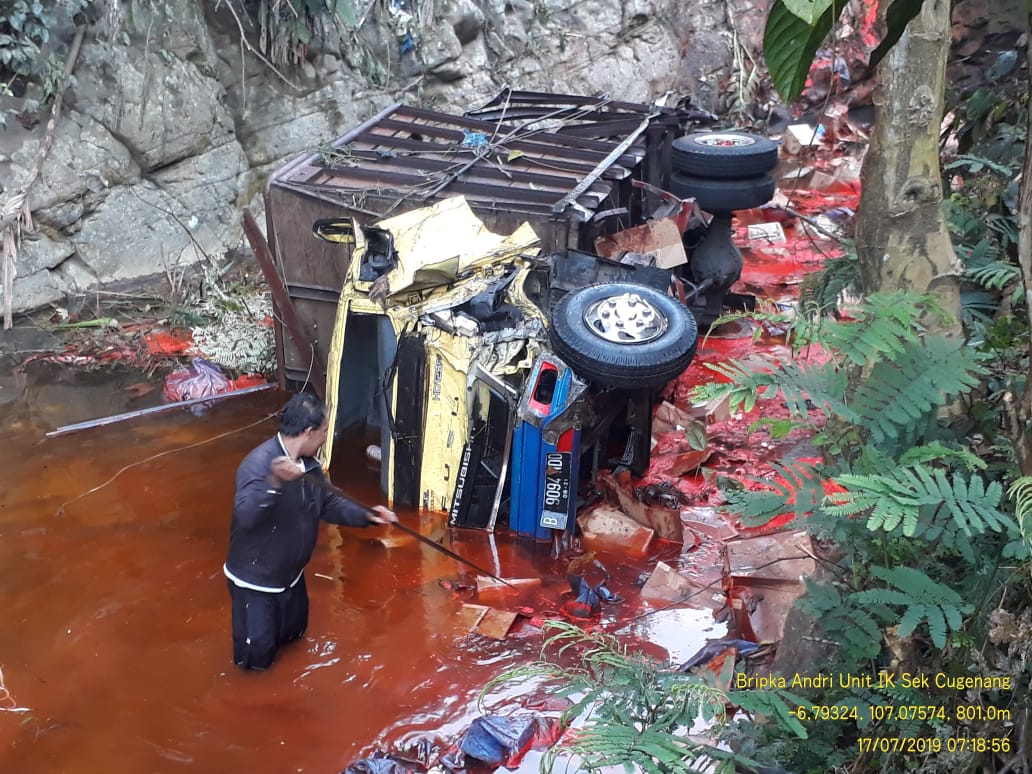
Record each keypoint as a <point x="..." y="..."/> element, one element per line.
<point x="822" y="291"/>
<point x="26" y="27"/>
<point x="922" y="599"/>
<point x="922" y="522"/>
<point x="907" y="375"/>
<point x="633" y="711"/>
<point x="987" y="137"/>
<point x="27" y="43"/>
<point x="790" y="42"/>
<point x="796" y="29"/>
<point x="285" y="31"/>
<point x="1021" y="492"/>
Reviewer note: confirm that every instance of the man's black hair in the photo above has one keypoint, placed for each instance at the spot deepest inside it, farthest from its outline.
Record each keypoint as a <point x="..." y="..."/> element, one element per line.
<point x="302" y="411"/>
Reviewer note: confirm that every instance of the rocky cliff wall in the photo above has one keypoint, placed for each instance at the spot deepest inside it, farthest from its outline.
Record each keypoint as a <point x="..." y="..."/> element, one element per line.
<point x="169" y="129"/>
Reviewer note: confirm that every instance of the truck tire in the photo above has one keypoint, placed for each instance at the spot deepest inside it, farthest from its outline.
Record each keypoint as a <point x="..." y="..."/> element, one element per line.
<point x="623" y="335"/>
<point x="723" y="155"/>
<point x="723" y="195"/>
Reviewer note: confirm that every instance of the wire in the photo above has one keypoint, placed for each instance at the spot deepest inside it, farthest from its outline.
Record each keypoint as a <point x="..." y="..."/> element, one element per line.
<point x="60" y="510"/>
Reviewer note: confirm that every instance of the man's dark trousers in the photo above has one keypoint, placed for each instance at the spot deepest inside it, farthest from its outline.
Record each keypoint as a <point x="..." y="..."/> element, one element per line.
<point x="264" y="621"/>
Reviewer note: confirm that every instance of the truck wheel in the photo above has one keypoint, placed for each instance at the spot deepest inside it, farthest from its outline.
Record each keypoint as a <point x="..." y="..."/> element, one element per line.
<point x="723" y="195"/>
<point x="723" y="155"/>
<point x="623" y="335"/>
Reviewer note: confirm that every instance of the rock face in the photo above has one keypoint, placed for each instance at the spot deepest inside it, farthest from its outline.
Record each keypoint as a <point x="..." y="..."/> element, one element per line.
<point x="169" y="129"/>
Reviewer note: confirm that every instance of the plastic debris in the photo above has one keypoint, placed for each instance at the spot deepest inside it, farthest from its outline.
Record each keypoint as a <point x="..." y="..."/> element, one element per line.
<point x="164" y="342"/>
<point x="715" y="648"/>
<point x="494" y="739"/>
<point x="473" y="139"/>
<point x="589" y="592"/>
<point x="379" y="763"/>
<point x="200" y="379"/>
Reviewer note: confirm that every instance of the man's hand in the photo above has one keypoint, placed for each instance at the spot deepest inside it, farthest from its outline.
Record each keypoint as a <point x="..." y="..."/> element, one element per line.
<point x="382" y="515"/>
<point x="283" y="469"/>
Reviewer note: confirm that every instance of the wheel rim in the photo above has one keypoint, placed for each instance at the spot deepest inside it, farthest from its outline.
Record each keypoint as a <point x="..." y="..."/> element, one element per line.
<point x="625" y="319"/>
<point x="725" y="140"/>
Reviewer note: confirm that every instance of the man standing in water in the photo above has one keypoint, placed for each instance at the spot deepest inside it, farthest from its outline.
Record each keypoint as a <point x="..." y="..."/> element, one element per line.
<point x="276" y="515"/>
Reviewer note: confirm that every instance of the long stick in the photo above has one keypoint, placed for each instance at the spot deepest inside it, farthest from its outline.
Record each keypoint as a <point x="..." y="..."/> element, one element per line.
<point x="91" y="423"/>
<point x="408" y="530"/>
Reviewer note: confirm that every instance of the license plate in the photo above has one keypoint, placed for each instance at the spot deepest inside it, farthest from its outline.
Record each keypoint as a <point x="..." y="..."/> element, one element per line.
<point x="556" y="505"/>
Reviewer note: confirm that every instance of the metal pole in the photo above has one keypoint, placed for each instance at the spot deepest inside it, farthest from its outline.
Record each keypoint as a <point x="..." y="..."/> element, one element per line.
<point x="91" y="423"/>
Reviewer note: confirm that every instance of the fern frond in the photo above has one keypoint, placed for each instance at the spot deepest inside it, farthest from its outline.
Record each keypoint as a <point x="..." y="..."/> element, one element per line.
<point x="889" y="500"/>
<point x="823" y="386"/>
<point x="884" y="324"/>
<point x="895" y="498"/>
<point x="600" y="744"/>
<point x="937" y="452"/>
<point x="995" y="275"/>
<point x="741" y="386"/>
<point x="934" y="603"/>
<point x="798" y="488"/>
<point x="821" y="290"/>
<point x="772" y="704"/>
<point x="900" y="393"/>
<point x="1020" y="491"/>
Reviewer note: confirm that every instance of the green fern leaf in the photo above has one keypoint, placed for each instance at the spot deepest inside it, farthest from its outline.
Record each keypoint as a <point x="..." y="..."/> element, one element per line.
<point x="903" y="391"/>
<point x="937" y="452"/>
<point x="885" y="322"/>
<point x="797" y="488"/>
<point x="953" y="617"/>
<point x="882" y="596"/>
<point x="821" y="290"/>
<point x="938" y="605"/>
<point x="936" y="625"/>
<point x="771" y="704"/>
<point x="865" y="623"/>
<point x="911" y="619"/>
<point x="917" y="584"/>
<point x="1020" y="491"/>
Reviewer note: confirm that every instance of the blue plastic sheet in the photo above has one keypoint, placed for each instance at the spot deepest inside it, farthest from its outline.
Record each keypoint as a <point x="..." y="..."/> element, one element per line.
<point x="493" y="739"/>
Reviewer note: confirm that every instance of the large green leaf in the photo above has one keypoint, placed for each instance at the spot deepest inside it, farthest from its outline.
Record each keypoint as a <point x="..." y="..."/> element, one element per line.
<point x="789" y="45"/>
<point x="896" y="19"/>
<point x="345" y="10"/>
<point x="808" y="10"/>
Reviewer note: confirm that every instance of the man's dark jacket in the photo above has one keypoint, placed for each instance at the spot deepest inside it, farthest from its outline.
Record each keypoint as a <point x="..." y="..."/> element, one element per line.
<point x="274" y="529"/>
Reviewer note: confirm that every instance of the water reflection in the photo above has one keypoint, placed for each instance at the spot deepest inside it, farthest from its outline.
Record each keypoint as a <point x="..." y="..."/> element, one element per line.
<point x="116" y="637"/>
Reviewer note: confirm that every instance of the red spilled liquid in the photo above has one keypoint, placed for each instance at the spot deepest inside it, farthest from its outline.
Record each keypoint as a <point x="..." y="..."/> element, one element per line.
<point x="115" y="645"/>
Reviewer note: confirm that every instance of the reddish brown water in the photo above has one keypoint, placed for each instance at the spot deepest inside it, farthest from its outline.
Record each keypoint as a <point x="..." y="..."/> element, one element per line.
<point x="115" y="643"/>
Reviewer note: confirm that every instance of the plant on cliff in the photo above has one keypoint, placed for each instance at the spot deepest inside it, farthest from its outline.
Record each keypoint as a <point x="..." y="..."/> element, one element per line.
<point x="285" y="33"/>
<point x="29" y="44"/>
<point x="28" y="27"/>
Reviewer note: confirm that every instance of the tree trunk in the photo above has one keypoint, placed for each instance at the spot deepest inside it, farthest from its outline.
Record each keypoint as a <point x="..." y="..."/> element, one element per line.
<point x="901" y="234"/>
<point x="1021" y="414"/>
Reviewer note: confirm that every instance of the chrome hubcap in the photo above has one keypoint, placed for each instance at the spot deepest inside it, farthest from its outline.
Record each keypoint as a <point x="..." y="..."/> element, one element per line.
<point x="625" y="319"/>
<point x="725" y="140"/>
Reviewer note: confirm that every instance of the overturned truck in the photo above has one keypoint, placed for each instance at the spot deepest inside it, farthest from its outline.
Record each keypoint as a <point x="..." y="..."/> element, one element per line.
<point x="496" y="298"/>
